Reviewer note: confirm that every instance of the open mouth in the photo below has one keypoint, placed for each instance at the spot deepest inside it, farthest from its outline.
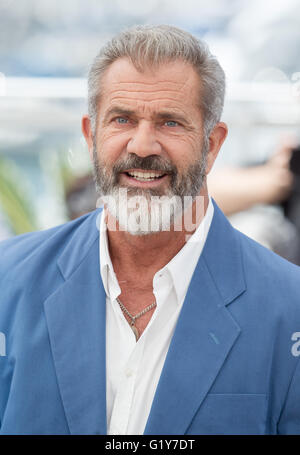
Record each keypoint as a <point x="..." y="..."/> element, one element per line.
<point x="145" y="176"/>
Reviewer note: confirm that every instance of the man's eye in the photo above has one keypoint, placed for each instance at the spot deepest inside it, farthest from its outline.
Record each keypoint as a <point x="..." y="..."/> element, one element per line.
<point x="121" y="120"/>
<point x="171" y="123"/>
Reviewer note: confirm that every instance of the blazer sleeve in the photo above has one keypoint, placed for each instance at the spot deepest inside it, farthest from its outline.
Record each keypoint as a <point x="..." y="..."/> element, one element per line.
<point x="289" y="422"/>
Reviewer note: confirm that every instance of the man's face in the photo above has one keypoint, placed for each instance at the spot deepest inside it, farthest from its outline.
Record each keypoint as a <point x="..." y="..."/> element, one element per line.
<point x="149" y="135"/>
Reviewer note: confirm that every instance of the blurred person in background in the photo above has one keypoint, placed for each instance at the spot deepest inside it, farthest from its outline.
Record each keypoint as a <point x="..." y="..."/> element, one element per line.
<point x="81" y="196"/>
<point x="252" y="196"/>
<point x="117" y="325"/>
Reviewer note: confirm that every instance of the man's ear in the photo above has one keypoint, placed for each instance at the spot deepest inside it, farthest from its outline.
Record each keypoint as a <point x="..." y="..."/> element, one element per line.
<point x="86" y="129"/>
<point x="216" y="139"/>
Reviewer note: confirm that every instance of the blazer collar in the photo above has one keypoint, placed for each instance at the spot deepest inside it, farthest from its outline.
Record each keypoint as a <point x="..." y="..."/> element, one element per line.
<point x="75" y="315"/>
<point x="223" y="257"/>
<point x="221" y="253"/>
<point x="86" y="232"/>
<point x="205" y="332"/>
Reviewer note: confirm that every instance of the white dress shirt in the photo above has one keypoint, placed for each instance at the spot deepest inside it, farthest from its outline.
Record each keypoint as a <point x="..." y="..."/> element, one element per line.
<point x="133" y="367"/>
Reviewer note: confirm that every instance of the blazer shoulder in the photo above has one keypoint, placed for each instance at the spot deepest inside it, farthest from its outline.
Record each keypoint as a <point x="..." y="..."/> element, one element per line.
<point x="23" y="248"/>
<point x="260" y="257"/>
<point x="271" y="275"/>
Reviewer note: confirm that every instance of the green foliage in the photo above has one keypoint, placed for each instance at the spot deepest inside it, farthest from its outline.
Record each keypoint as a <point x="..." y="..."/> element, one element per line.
<point x="13" y="199"/>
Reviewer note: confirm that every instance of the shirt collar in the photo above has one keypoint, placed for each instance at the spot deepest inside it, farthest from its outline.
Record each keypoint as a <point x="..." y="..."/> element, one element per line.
<point x="108" y="275"/>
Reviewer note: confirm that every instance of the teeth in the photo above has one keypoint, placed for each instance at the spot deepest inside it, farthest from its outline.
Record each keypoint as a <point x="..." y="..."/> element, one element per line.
<point x="145" y="175"/>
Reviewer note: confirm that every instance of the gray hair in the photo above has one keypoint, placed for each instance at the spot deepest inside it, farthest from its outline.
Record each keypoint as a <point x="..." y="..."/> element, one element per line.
<point x="149" y="46"/>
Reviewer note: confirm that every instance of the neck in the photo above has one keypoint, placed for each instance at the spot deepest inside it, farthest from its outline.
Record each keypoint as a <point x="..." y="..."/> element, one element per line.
<point x="149" y="253"/>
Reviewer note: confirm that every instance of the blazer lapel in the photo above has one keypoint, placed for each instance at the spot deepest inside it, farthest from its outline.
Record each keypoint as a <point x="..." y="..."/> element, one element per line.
<point x="204" y="335"/>
<point x="75" y="316"/>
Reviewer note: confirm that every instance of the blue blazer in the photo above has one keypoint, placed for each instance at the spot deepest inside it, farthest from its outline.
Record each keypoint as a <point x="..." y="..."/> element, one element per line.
<point x="231" y="367"/>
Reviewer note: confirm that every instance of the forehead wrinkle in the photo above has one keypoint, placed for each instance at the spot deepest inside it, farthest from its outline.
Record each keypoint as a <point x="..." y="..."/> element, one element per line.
<point x="175" y="75"/>
<point x="147" y="84"/>
<point x="128" y="108"/>
<point x="145" y="100"/>
<point x="146" y="91"/>
<point x="142" y="105"/>
<point x="157" y="87"/>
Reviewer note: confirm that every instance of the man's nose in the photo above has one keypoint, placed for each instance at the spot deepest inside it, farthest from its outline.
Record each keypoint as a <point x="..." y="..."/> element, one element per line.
<point x="143" y="141"/>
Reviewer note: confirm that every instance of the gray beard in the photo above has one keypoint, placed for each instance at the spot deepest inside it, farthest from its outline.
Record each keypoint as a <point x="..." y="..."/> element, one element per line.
<point x="144" y="211"/>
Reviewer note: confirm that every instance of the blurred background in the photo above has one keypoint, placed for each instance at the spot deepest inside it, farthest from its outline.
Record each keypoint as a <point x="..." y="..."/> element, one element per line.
<point x="46" y="47"/>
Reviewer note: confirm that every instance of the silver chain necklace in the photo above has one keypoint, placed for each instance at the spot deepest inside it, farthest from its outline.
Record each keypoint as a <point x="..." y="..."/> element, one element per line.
<point x="133" y="318"/>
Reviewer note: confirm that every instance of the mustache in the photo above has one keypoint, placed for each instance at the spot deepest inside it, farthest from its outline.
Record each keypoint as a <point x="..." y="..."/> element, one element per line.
<point x="151" y="163"/>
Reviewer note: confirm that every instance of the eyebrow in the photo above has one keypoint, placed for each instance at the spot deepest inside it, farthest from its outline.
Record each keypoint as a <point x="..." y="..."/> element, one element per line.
<point x="118" y="111"/>
<point x="165" y="115"/>
<point x="171" y="115"/>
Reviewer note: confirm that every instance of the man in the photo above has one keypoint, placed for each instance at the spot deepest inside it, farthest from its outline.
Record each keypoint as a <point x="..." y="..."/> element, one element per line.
<point x="178" y="323"/>
<point x="255" y="199"/>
